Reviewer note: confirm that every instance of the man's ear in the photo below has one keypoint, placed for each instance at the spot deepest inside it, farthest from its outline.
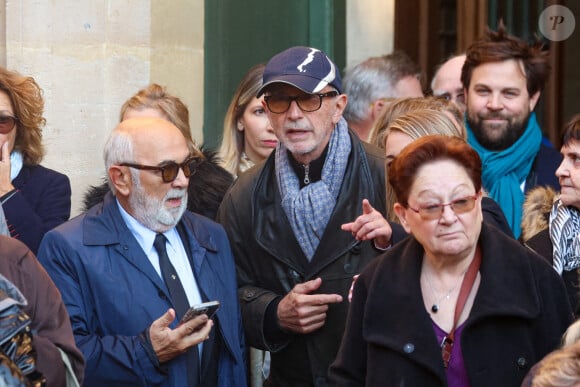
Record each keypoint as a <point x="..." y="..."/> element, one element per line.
<point x="377" y="108"/>
<point x="534" y="100"/>
<point x="340" y="104"/>
<point x="401" y="213"/>
<point x="121" y="179"/>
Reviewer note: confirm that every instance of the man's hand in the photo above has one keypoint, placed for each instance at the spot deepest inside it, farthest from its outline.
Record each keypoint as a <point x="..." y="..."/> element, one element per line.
<point x="370" y="225"/>
<point x="5" y="184"/>
<point x="169" y="343"/>
<point x="302" y="312"/>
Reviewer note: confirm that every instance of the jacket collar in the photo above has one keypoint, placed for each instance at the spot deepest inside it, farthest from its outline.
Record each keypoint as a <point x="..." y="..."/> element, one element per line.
<point x="23" y="176"/>
<point x="504" y="276"/>
<point x="271" y="221"/>
<point x="103" y="225"/>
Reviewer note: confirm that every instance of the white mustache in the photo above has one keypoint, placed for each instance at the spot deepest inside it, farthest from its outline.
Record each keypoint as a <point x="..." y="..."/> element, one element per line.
<point x="176" y="193"/>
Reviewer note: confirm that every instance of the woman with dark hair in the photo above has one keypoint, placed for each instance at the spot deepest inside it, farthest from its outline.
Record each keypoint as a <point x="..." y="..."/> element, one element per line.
<point x="551" y="221"/>
<point x="457" y="303"/>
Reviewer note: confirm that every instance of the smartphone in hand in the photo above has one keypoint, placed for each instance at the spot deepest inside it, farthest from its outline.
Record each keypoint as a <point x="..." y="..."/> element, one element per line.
<point x="207" y="308"/>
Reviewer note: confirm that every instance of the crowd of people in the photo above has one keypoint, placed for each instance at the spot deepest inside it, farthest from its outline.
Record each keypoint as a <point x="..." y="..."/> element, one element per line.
<point x="353" y="231"/>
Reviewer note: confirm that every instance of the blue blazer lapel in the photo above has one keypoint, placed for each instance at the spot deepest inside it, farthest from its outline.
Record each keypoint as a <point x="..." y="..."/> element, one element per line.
<point x="109" y="229"/>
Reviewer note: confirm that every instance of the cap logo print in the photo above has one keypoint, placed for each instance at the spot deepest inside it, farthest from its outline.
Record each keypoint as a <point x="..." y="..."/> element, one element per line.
<point x="308" y="59"/>
<point x="306" y="68"/>
<point x="327" y="79"/>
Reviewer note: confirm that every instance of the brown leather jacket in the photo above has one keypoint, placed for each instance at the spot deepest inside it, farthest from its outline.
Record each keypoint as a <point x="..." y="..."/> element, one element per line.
<point x="50" y="321"/>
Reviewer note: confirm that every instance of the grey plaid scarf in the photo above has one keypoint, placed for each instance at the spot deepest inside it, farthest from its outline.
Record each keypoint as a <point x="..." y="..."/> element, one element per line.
<point x="565" y="236"/>
<point x="309" y="209"/>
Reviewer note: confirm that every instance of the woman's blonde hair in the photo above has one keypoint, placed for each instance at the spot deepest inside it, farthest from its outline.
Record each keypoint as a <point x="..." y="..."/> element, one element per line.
<point x="560" y="368"/>
<point x="232" y="146"/>
<point x="396" y="107"/>
<point x="26" y="99"/>
<point x="572" y="334"/>
<point x="417" y="124"/>
<point x="156" y="97"/>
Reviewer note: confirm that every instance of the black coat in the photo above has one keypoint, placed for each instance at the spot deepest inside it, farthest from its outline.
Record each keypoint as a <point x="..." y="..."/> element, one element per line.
<point x="519" y="314"/>
<point x="542" y="244"/>
<point x="270" y="261"/>
<point x="543" y="169"/>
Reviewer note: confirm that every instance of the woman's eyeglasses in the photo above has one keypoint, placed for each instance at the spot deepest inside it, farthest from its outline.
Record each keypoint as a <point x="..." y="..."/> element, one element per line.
<point x="7" y="123"/>
<point x="279" y="103"/>
<point x="434" y="211"/>
<point x="170" y="170"/>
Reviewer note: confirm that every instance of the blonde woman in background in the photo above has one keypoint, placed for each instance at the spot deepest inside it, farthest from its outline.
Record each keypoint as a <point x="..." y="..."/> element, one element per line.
<point x="155" y="101"/>
<point x="408" y="127"/>
<point x="248" y="137"/>
<point x="399" y="106"/>
<point x="560" y="368"/>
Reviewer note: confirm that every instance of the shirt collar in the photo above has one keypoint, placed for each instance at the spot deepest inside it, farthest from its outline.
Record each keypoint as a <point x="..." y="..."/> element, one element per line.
<point x="144" y="236"/>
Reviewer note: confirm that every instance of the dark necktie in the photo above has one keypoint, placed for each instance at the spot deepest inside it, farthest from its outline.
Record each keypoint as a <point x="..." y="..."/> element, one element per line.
<point x="180" y="302"/>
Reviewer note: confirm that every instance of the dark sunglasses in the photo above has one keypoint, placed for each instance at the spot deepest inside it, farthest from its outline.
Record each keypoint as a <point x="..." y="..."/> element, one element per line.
<point x="7" y="123"/>
<point x="279" y="104"/>
<point x="170" y="170"/>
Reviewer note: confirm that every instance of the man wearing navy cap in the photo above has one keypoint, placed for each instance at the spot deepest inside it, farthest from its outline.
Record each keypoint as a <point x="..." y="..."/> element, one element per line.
<point x="284" y="217"/>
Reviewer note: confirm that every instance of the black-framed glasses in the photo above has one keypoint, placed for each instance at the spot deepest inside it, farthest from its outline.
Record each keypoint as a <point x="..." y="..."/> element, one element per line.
<point x="434" y="211"/>
<point x="170" y="170"/>
<point x="280" y="103"/>
<point x="7" y="123"/>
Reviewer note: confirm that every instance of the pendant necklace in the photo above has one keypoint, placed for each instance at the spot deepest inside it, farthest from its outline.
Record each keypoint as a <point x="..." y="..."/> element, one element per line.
<point x="435" y="306"/>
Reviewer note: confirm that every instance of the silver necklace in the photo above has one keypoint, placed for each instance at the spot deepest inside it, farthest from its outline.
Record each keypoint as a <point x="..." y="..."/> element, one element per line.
<point x="435" y="306"/>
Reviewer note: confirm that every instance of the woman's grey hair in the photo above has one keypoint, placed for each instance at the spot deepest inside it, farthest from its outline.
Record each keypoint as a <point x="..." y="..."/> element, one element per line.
<point x="118" y="149"/>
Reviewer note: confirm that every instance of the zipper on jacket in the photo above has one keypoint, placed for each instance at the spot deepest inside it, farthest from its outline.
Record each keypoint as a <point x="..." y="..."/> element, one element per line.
<point x="306" y="177"/>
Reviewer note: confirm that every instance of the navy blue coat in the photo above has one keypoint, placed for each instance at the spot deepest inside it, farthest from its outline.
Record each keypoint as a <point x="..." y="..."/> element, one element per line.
<point x="40" y="203"/>
<point x="113" y="294"/>
<point x="544" y="169"/>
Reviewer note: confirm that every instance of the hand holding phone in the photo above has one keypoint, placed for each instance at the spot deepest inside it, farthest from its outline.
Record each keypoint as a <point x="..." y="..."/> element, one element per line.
<point x="207" y="308"/>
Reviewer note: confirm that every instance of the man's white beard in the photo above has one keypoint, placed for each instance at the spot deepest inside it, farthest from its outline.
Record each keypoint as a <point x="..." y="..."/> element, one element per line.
<point x="152" y="212"/>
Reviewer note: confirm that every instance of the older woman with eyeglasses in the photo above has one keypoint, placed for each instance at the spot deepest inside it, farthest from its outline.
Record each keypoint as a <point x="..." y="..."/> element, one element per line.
<point x="35" y="199"/>
<point x="456" y="304"/>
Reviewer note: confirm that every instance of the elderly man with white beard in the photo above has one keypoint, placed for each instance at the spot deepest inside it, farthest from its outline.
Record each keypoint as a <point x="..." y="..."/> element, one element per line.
<point x="130" y="267"/>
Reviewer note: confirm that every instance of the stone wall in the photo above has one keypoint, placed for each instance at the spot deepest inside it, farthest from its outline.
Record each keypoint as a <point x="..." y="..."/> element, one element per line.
<point x="89" y="56"/>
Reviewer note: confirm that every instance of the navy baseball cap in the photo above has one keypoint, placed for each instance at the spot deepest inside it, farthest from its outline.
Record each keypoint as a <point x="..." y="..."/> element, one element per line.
<point x="306" y="68"/>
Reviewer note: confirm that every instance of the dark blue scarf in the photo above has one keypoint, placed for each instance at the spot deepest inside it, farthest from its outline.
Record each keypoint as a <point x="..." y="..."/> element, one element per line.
<point x="504" y="171"/>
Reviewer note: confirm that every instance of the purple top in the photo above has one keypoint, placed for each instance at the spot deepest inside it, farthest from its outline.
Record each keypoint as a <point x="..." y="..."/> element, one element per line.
<point x="456" y="372"/>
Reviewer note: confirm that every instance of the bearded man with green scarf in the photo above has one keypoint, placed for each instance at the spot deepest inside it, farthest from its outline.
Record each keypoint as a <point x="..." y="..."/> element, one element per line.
<point x="503" y="77"/>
